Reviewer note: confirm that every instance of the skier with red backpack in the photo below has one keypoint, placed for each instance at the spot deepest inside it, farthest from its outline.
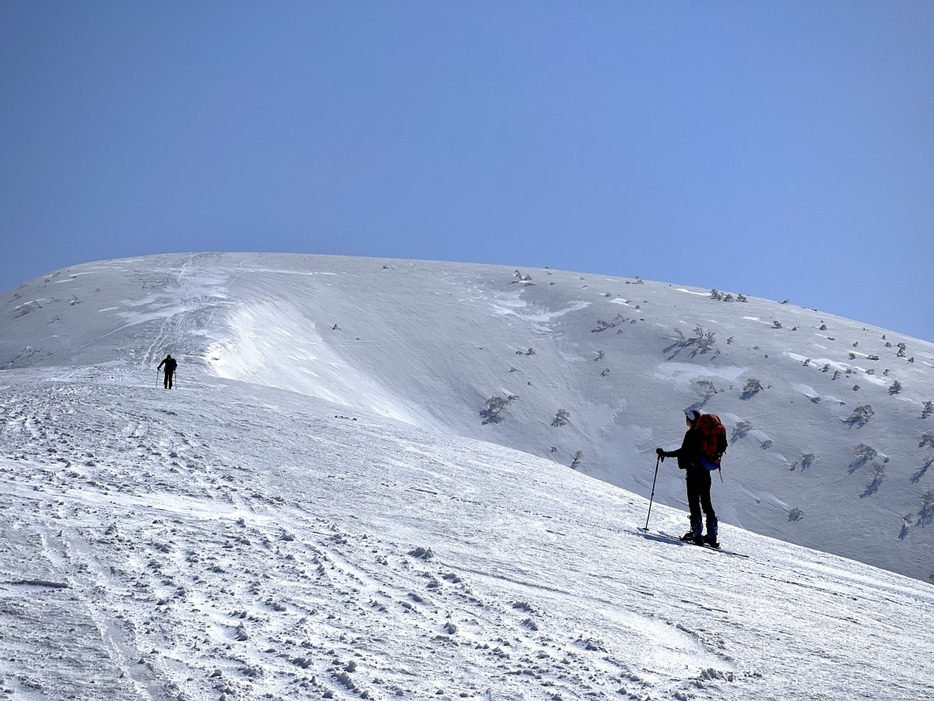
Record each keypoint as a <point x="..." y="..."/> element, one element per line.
<point x="700" y="452"/>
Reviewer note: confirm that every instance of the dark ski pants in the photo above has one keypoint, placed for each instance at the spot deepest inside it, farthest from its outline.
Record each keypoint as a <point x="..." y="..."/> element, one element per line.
<point x="698" y="484"/>
<point x="168" y="380"/>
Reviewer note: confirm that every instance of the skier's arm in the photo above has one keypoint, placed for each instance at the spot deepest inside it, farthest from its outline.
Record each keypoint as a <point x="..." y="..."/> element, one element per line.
<point x="686" y="449"/>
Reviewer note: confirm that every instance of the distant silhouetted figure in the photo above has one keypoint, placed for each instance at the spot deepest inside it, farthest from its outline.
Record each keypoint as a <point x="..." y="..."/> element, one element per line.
<point x="170" y="364"/>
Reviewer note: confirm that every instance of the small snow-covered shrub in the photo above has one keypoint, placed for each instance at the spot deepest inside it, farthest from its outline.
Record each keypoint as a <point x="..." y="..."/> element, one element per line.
<point x="741" y="429"/>
<point x="493" y="408"/>
<point x="701" y="341"/>
<point x="752" y="388"/>
<point x="604" y="325"/>
<point x="860" y="416"/>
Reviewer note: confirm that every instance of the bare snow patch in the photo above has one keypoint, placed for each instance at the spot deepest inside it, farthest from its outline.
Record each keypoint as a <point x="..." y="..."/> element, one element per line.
<point x="685" y="374"/>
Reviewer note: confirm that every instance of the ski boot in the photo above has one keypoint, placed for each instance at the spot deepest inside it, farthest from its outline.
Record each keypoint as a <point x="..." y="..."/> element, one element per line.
<point x="696" y="534"/>
<point x="712" y="529"/>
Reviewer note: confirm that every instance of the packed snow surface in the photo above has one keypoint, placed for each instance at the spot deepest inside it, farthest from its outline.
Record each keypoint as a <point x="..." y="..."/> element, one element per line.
<point x="331" y="503"/>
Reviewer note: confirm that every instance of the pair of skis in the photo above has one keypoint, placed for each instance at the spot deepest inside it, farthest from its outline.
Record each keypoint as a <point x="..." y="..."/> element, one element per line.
<point x="663" y="537"/>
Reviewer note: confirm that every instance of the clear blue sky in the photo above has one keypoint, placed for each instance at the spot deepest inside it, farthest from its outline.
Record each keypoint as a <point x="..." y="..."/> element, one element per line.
<point x="780" y="149"/>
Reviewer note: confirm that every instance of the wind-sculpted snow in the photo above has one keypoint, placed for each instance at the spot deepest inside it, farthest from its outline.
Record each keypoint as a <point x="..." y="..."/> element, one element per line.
<point x="232" y="541"/>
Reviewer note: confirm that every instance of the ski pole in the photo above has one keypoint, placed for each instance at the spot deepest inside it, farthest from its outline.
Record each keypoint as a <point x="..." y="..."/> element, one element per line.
<point x="652" y="498"/>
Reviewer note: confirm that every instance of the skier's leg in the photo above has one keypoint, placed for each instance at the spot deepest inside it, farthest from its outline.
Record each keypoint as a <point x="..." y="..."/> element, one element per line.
<point x="707" y="505"/>
<point x="694" y="503"/>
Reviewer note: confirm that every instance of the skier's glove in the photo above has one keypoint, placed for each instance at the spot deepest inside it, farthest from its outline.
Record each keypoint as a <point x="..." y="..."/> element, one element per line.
<point x="661" y="454"/>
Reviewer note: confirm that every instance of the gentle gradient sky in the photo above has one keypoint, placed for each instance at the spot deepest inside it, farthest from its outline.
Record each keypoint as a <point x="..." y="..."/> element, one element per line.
<point x="780" y="149"/>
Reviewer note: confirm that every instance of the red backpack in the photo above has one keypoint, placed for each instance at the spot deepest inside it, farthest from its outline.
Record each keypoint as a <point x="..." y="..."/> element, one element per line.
<point x="712" y="442"/>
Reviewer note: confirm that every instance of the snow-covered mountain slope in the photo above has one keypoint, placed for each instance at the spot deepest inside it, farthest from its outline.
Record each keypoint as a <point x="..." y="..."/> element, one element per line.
<point x="830" y="421"/>
<point x="312" y="513"/>
<point x="230" y="541"/>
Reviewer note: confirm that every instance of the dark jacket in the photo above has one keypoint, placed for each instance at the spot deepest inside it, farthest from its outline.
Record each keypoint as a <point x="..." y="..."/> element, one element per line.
<point x="689" y="453"/>
<point x="169" y="363"/>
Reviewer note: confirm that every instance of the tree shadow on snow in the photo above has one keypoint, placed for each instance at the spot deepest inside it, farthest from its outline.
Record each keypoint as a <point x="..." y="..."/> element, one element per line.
<point x="857" y="464"/>
<point x="916" y="477"/>
<point x="871" y="488"/>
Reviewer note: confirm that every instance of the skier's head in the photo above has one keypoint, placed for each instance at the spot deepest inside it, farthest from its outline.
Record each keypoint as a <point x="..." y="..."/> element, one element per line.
<point x="691" y="415"/>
